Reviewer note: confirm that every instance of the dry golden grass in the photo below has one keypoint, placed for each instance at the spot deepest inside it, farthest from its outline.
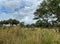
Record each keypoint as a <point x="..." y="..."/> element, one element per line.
<point x="18" y="35"/>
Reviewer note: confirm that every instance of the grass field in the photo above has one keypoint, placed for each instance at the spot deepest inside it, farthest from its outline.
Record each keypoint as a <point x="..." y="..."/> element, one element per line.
<point x="18" y="35"/>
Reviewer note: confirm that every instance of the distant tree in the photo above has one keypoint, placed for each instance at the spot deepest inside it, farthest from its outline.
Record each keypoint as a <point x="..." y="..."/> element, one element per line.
<point x="9" y="21"/>
<point x="28" y="25"/>
<point x="22" y="24"/>
<point x="33" y="25"/>
<point x="1" y="23"/>
<point x="5" y="22"/>
<point x="46" y="10"/>
<point x="13" y="22"/>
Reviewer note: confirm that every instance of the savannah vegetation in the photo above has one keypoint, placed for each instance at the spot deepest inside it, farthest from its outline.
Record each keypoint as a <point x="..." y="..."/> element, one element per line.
<point x="19" y="35"/>
<point x="41" y="32"/>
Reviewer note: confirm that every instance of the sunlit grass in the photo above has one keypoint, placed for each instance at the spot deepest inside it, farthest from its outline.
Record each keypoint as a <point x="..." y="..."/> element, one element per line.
<point x="18" y="35"/>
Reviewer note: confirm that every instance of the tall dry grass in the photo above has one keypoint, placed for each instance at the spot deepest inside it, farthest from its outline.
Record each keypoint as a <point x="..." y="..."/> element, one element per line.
<point x="18" y="35"/>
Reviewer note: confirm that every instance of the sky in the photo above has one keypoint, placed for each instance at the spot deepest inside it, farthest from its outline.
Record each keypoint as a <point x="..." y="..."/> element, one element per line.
<point x="18" y="9"/>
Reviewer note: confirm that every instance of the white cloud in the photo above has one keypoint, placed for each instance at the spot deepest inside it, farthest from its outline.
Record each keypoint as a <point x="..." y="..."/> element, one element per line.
<point x="4" y="16"/>
<point x="19" y="9"/>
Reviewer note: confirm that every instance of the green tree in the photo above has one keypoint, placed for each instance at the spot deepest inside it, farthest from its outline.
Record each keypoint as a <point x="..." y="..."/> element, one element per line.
<point x="15" y="22"/>
<point x="22" y="24"/>
<point x="5" y="22"/>
<point x="9" y="21"/>
<point x="47" y="9"/>
<point x="12" y="22"/>
<point x="1" y="23"/>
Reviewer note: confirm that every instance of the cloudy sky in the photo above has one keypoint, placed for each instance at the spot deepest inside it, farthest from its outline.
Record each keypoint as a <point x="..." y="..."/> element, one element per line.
<point x="18" y="9"/>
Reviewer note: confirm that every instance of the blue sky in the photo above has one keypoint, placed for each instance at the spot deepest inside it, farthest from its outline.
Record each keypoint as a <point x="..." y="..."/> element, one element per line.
<point x="18" y="9"/>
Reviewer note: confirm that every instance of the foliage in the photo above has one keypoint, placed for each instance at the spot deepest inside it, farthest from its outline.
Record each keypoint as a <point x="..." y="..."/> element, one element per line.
<point x="1" y="23"/>
<point x="13" y="21"/>
<point x="48" y="9"/>
<point x="9" y="21"/>
<point x="22" y="24"/>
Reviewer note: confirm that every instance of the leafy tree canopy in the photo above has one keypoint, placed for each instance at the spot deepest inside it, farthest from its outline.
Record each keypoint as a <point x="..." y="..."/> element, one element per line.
<point x="48" y="9"/>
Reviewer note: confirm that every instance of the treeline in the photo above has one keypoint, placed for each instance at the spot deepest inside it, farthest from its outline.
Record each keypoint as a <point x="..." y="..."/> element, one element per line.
<point x="11" y="22"/>
<point x="44" y="25"/>
<point x="14" y="22"/>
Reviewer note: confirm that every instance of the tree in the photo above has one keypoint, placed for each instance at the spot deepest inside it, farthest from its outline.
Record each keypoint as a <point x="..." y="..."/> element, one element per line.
<point x="5" y="22"/>
<point x="22" y="24"/>
<point x="1" y="23"/>
<point x="13" y="22"/>
<point x="48" y="9"/>
<point x="9" y="21"/>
